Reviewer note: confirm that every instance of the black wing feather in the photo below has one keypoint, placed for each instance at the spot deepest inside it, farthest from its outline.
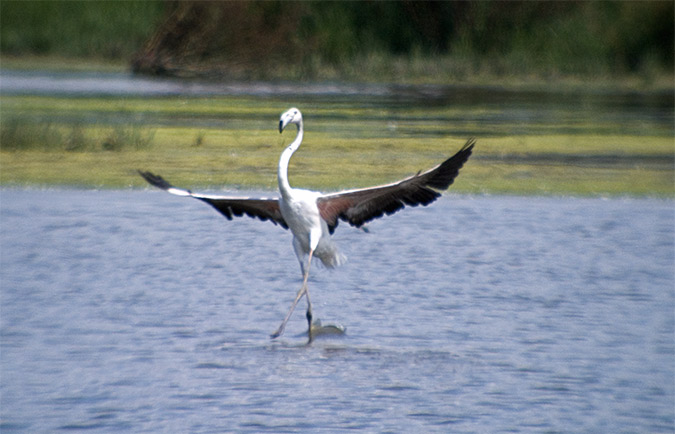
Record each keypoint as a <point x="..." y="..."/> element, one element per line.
<point x="360" y="206"/>
<point x="261" y="208"/>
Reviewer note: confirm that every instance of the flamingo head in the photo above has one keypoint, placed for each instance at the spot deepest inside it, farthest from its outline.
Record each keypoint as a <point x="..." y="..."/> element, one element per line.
<point x="290" y="116"/>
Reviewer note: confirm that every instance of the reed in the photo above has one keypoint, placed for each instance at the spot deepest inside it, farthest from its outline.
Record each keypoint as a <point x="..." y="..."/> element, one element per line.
<point x="516" y="41"/>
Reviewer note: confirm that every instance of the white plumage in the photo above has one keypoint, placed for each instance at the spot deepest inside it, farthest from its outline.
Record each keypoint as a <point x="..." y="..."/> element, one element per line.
<point x="312" y="217"/>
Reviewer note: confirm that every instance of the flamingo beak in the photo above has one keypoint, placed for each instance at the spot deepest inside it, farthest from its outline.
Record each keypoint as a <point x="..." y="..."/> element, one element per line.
<point x="284" y="121"/>
<point x="289" y="117"/>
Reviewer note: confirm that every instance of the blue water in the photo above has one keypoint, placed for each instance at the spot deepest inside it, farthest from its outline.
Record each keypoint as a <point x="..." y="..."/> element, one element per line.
<point x="137" y="311"/>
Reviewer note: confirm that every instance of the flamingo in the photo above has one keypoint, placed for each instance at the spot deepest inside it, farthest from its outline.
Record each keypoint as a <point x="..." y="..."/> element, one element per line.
<point x="312" y="217"/>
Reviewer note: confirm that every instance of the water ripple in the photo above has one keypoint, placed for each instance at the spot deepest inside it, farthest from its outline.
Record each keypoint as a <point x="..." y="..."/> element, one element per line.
<point x="551" y="314"/>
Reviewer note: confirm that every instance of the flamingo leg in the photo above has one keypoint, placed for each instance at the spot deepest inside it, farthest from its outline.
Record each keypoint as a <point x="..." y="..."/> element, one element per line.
<point x="309" y="302"/>
<point x="303" y="290"/>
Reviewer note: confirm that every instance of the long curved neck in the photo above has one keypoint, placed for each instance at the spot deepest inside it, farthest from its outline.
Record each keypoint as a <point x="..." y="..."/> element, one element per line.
<point x="282" y="173"/>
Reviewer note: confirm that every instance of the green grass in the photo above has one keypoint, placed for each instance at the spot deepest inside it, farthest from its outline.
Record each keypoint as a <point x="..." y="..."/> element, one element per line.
<point x="106" y="30"/>
<point x="376" y="68"/>
<point x="613" y="44"/>
<point x="233" y="142"/>
<point x="252" y="164"/>
<point x="20" y="135"/>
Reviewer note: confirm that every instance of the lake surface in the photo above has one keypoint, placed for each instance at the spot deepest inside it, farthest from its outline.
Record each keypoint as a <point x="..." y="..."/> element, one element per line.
<point x="410" y="110"/>
<point x="137" y="311"/>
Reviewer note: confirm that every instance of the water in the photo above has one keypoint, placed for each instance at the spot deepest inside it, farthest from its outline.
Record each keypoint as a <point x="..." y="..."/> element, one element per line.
<point x="137" y="311"/>
<point x="352" y="109"/>
<point x="19" y="82"/>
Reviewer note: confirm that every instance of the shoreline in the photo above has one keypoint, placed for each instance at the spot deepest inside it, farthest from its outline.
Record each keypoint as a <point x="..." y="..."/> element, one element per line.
<point x="213" y="140"/>
<point x="560" y="83"/>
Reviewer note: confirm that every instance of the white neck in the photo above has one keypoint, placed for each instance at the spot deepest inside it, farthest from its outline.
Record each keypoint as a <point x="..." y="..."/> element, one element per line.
<point x="282" y="173"/>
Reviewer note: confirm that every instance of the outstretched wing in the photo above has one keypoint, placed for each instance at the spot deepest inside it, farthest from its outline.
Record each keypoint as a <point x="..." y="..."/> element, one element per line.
<point x="362" y="205"/>
<point x="262" y="208"/>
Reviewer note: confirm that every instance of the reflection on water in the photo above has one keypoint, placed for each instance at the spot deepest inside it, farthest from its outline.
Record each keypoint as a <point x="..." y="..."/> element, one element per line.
<point x="136" y="311"/>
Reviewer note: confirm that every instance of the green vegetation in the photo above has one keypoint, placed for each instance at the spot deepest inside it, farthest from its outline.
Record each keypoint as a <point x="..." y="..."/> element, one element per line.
<point x="102" y="30"/>
<point x="628" y="43"/>
<point x="20" y="135"/>
<point x="586" y="45"/>
<point x="223" y="141"/>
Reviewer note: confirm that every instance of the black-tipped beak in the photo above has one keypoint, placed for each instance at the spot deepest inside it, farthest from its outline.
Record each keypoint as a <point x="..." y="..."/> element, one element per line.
<point x="281" y="126"/>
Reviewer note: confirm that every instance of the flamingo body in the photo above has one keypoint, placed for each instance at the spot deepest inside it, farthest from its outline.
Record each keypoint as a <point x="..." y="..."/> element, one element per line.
<point x="312" y="216"/>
